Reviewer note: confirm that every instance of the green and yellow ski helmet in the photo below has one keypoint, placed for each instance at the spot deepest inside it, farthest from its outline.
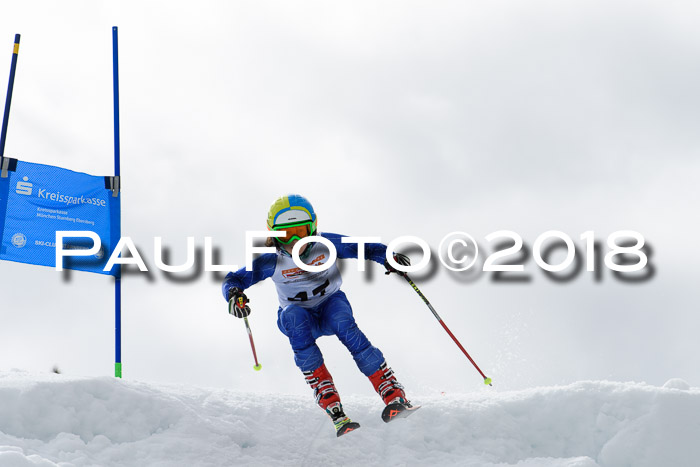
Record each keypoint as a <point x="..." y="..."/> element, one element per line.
<point x="291" y="210"/>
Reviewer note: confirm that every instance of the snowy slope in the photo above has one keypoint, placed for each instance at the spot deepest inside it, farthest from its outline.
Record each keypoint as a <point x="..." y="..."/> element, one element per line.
<point x="48" y="420"/>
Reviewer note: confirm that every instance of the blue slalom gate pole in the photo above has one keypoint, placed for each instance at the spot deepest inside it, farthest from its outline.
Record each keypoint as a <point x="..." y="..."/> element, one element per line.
<point x="117" y="279"/>
<point x="8" y="99"/>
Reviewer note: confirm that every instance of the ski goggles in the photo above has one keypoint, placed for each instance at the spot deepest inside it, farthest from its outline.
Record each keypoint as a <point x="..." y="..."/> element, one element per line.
<point x="294" y="231"/>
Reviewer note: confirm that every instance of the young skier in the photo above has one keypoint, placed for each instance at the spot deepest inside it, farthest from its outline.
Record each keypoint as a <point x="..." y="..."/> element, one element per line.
<point x="312" y="305"/>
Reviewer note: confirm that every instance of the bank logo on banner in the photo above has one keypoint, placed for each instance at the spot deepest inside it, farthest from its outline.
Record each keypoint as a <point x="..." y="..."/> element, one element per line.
<point x="38" y="200"/>
<point x="24" y="188"/>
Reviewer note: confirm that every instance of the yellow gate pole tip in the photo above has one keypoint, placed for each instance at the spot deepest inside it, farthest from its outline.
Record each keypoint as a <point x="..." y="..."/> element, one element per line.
<point x="257" y="367"/>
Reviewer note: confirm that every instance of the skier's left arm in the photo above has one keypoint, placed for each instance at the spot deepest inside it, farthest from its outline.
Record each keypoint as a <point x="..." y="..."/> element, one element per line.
<point x="374" y="251"/>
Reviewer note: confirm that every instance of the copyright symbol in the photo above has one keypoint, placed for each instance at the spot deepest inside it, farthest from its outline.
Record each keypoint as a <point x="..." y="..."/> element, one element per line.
<point x="460" y="248"/>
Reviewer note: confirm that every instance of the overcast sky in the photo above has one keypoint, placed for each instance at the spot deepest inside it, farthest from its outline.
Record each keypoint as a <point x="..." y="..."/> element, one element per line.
<point x="393" y="118"/>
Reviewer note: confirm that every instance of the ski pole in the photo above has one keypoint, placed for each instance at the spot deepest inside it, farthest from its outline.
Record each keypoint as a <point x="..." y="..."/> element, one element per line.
<point x="231" y="304"/>
<point x="257" y="366"/>
<point x="487" y="380"/>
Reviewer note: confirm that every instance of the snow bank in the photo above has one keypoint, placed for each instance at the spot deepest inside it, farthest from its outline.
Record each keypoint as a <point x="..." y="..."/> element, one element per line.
<point x="51" y="420"/>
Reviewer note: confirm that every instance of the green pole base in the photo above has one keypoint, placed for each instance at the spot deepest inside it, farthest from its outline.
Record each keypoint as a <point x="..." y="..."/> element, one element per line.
<point x="487" y="381"/>
<point x="257" y="367"/>
<point x="118" y="370"/>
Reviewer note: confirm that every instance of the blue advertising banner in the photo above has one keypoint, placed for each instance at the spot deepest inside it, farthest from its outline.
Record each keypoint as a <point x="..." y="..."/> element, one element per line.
<point x="38" y="200"/>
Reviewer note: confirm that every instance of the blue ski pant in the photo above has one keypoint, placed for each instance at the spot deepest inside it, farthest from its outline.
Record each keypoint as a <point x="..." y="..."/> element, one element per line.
<point x="332" y="317"/>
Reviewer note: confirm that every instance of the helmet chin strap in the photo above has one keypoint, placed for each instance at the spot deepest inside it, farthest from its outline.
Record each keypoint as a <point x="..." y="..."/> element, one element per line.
<point x="284" y="252"/>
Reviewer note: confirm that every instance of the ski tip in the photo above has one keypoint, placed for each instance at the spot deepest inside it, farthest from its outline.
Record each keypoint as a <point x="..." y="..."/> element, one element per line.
<point x="397" y="410"/>
<point x="347" y="428"/>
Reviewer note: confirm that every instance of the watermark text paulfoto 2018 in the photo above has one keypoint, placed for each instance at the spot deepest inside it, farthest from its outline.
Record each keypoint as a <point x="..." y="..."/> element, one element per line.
<point x="458" y="251"/>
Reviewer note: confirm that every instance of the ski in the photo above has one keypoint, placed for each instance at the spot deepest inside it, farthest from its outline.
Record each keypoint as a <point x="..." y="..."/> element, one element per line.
<point x="346" y="428"/>
<point x="398" y="410"/>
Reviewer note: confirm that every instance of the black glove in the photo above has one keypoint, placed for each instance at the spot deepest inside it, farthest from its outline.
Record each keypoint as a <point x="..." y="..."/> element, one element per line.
<point x="238" y="303"/>
<point x="403" y="260"/>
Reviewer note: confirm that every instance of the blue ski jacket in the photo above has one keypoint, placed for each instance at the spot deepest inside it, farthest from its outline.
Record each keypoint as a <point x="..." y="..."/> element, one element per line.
<point x="295" y="285"/>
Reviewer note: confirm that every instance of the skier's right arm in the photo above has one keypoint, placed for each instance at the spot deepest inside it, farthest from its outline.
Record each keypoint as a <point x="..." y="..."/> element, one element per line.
<point x="263" y="267"/>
